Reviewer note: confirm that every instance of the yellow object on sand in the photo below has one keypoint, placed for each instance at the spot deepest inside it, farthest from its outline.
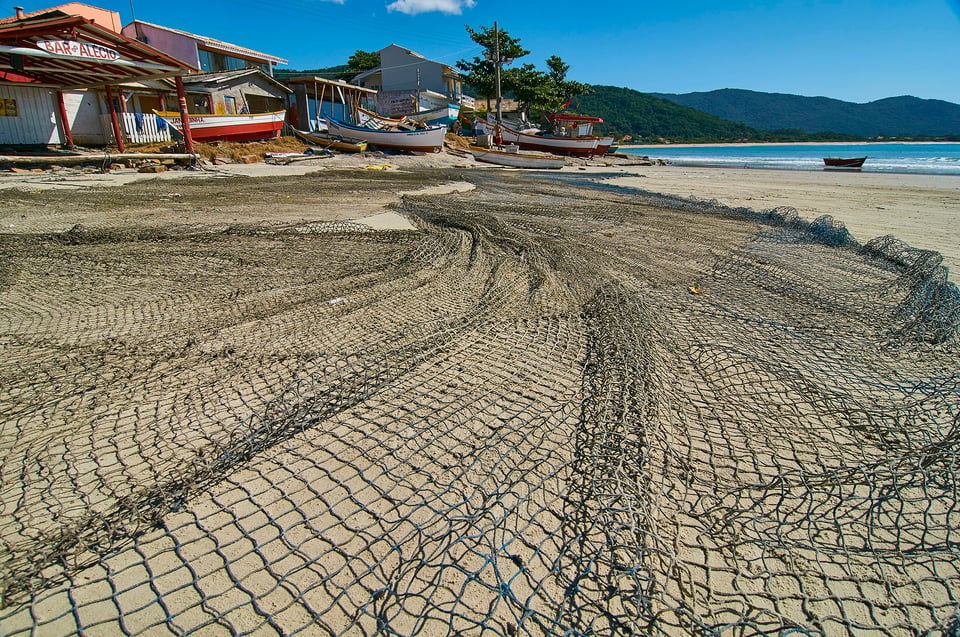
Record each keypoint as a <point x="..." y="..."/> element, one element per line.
<point x="380" y="167"/>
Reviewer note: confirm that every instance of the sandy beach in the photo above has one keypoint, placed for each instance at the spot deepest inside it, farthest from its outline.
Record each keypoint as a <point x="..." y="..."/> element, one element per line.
<point x="412" y="395"/>
<point x="923" y="210"/>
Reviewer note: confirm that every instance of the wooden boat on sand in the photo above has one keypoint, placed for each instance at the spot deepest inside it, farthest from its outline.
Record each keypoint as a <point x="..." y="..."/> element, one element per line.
<point x="854" y="163"/>
<point x="425" y="140"/>
<point x="333" y="142"/>
<point x="583" y="146"/>
<point x="242" y="127"/>
<point x="517" y="159"/>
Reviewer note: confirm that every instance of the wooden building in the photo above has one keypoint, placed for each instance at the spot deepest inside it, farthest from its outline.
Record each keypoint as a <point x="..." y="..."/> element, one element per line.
<point x="314" y="97"/>
<point x="47" y="55"/>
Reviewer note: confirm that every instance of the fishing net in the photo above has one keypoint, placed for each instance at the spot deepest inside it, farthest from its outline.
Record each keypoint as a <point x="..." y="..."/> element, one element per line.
<point x="553" y="408"/>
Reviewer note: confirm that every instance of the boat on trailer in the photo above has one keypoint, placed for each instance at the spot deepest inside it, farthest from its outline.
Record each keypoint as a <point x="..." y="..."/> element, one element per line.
<point x="419" y="140"/>
<point x="241" y="127"/>
<point x="515" y="159"/>
<point x="853" y="163"/>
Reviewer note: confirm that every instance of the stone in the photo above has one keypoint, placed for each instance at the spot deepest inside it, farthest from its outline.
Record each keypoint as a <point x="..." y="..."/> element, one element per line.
<point x="152" y="168"/>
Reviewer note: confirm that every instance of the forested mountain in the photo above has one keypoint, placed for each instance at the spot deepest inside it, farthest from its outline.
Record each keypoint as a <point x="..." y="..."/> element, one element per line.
<point x="626" y="111"/>
<point x="891" y="117"/>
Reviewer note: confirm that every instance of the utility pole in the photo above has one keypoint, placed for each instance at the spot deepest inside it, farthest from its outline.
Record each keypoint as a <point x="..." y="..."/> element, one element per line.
<point x="497" y="63"/>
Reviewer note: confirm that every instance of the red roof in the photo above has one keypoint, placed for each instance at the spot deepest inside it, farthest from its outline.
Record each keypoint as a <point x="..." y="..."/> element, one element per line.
<point x="571" y="117"/>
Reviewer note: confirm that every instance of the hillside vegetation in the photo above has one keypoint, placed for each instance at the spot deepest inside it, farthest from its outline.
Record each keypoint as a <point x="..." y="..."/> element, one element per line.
<point x="626" y="111"/>
<point x="903" y="116"/>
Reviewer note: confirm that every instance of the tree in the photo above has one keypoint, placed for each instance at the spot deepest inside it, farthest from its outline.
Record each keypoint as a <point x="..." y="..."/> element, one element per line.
<point x="480" y="73"/>
<point x="563" y="90"/>
<point x="530" y="86"/>
<point x="360" y="62"/>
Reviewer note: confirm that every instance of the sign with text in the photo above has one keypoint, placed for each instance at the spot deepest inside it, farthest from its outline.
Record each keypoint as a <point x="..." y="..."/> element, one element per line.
<point x="79" y="49"/>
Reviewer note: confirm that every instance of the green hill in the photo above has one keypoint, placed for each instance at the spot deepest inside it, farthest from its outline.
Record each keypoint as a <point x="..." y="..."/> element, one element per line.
<point x="903" y="116"/>
<point x="629" y="112"/>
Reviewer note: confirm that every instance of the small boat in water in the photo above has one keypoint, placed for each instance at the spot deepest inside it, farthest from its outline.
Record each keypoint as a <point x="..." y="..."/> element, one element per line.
<point x="517" y="159"/>
<point x="423" y="140"/>
<point x="334" y="142"/>
<point x="205" y="127"/>
<point x="853" y="163"/>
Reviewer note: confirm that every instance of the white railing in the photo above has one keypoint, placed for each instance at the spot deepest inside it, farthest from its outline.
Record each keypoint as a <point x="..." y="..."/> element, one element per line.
<point x="137" y="128"/>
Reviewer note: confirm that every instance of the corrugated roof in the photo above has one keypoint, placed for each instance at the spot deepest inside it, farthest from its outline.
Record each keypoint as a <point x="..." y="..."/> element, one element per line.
<point x="219" y="45"/>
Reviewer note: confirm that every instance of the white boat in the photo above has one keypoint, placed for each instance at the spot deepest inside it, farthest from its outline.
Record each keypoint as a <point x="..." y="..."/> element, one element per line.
<point x="425" y="140"/>
<point x="517" y="159"/>
<point x="435" y="116"/>
<point x="325" y="140"/>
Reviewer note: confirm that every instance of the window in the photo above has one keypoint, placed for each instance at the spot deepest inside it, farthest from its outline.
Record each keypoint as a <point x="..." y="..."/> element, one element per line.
<point x="211" y="62"/>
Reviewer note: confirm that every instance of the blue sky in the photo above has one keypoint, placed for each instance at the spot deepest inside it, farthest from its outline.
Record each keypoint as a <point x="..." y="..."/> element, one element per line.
<point x="854" y="50"/>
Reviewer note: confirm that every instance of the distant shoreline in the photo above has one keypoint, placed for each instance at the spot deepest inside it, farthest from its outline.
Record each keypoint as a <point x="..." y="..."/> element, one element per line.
<point x="723" y="144"/>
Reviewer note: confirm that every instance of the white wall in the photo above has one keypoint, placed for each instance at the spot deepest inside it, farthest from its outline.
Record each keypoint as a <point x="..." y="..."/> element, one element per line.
<point x="35" y="122"/>
<point x="83" y="112"/>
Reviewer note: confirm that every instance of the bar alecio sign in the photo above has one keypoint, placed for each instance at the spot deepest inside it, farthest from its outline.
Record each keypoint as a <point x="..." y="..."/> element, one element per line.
<point x="79" y="49"/>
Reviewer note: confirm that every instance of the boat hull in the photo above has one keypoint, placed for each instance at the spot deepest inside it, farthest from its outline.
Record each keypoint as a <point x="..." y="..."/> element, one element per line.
<point x="445" y="115"/>
<point x="427" y="140"/>
<point x="604" y="145"/>
<point x="229" y="128"/>
<point x="517" y="160"/>
<point x="840" y="162"/>
<point x="326" y="140"/>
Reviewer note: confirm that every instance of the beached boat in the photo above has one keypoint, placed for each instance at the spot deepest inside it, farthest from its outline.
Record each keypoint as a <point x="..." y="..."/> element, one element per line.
<point x="326" y="140"/>
<point x="425" y="140"/>
<point x="228" y="128"/>
<point x="561" y="145"/>
<point x="840" y="162"/>
<point x="517" y="159"/>
<point x="444" y="115"/>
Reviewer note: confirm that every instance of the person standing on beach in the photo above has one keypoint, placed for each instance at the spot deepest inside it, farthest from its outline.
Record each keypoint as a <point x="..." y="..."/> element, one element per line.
<point x="456" y="128"/>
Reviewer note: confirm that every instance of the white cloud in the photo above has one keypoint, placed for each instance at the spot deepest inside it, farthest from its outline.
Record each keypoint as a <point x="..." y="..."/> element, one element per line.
<point x="413" y="7"/>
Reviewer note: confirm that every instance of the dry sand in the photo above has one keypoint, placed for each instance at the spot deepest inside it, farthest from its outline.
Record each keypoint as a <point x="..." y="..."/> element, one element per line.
<point x="923" y="210"/>
<point x="307" y="404"/>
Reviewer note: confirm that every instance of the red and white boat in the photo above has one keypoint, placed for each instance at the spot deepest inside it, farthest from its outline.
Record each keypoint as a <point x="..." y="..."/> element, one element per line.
<point x="581" y="126"/>
<point x="228" y="128"/>
<point x="559" y="144"/>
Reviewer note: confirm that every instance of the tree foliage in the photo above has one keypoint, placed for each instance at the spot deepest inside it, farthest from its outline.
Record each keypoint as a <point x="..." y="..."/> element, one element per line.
<point x="480" y="72"/>
<point x="360" y="62"/>
<point x="537" y="91"/>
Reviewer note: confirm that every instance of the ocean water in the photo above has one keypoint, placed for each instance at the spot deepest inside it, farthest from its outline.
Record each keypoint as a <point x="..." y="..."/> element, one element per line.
<point x="935" y="158"/>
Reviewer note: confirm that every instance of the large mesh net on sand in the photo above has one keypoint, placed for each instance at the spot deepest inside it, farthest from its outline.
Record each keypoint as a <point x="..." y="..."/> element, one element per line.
<point x="551" y="409"/>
